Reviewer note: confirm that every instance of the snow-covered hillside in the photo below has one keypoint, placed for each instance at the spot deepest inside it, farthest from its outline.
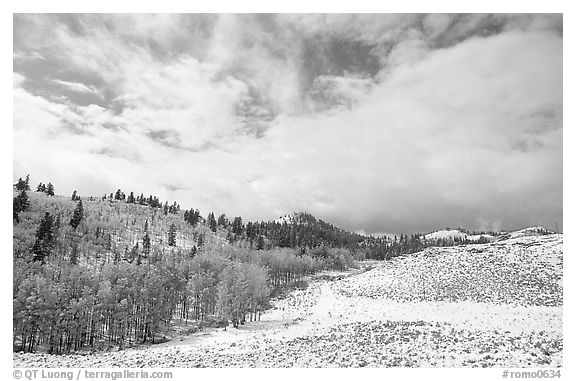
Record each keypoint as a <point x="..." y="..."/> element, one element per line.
<point x="527" y="232"/>
<point x="446" y="234"/>
<point x="486" y="305"/>
<point x="451" y="234"/>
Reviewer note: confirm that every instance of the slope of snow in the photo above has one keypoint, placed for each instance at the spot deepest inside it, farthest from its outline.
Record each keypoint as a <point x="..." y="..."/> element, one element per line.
<point x="446" y="234"/>
<point x="476" y="237"/>
<point x="531" y="231"/>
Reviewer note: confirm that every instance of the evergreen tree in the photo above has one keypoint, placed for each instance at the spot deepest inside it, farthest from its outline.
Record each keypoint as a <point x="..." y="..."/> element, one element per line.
<point x="74" y="196"/>
<point x="250" y="231"/>
<point x="78" y="215"/>
<point x="16" y="209"/>
<point x="192" y="216"/>
<point x="21" y="185"/>
<point x="131" y="199"/>
<point x="27" y="183"/>
<point x="237" y="226"/>
<point x="222" y="220"/>
<point x="19" y="204"/>
<point x="44" y="238"/>
<point x="41" y="188"/>
<point x="50" y="189"/>
<point x="146" y="244"/>
<point x="172" y="235"/>
<point x="23" y="200"/>
<point x="211" y="221"/>
<point x="260" y="243"/>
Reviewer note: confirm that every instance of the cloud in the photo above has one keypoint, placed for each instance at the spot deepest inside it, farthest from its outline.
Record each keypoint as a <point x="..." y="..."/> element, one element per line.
<point x="378" y="123"/>
<point x="77" y="87"/>
<point x="19" y="55"/>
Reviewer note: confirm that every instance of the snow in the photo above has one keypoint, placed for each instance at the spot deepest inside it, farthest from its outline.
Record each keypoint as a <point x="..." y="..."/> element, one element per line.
<point x="446" y="234"/>
<point x="476" y="237"/>
<point x="531" y="231"/>
<point x="491" y="305"/>
<point x="288" y="219"/>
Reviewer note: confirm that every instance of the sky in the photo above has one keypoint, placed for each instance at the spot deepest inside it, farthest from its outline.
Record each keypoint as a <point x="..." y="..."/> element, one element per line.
<point x="377" y="123"/>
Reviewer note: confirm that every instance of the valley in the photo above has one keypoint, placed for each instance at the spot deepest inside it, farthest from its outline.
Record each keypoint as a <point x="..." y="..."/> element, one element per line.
<point x="497" y="304"/>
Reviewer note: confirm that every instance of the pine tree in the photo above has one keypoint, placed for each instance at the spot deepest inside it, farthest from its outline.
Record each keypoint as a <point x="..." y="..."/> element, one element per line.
<point x="44" y="238"/>
<point x="50" y="189"/>
<point x="78" y="215"/>
<point x="260" y="243"/>
<point x="237" y="226"/>
<point x="16" y="209"/>
<point x="19" y="204"/>
<point x="27" y="183"/>
<point x="146" y="244"/>
<point x="23" y="199"/>
<point x="211" y="221"/>
<point x="222" y="220"/>
<point x="20" y="185"/>
<point x="41" y="188"/>
<point x="74" y="196"/>
<point x="172" y="235"/>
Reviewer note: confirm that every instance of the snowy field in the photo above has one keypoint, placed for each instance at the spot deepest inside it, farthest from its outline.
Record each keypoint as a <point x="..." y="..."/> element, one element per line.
<point x="492" y="305"/>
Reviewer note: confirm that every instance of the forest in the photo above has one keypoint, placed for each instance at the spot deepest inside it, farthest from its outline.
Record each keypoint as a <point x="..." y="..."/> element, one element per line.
<point x="117" y="270"/>
<point x="114" y="271"/>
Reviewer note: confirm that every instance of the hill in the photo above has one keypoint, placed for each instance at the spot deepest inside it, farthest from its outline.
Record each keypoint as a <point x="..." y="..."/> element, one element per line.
<point x="116" y="271"/>
<point x="497" y="304"/>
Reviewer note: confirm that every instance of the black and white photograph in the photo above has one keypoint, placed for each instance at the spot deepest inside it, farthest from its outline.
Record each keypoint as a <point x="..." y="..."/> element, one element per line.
<point x="286" y="190"/>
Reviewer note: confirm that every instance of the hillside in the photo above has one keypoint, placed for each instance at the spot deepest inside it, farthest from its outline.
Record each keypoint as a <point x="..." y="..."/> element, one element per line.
<point x="104" y="272"/>
<point x="304" y="230"/>
<point x="492" y="305"/>
<point x="118" y="272"/>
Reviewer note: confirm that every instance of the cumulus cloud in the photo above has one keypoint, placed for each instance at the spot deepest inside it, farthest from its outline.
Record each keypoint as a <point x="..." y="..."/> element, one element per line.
<point x="393" y="123"/>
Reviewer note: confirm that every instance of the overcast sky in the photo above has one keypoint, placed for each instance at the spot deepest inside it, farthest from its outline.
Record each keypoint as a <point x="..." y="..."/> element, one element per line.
<point x="376" y="123"/>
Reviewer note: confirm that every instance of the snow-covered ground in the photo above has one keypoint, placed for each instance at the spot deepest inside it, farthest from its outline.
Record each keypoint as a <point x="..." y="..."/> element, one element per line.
<point x="497" y="304"/>
<point x="451" y="234"/>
